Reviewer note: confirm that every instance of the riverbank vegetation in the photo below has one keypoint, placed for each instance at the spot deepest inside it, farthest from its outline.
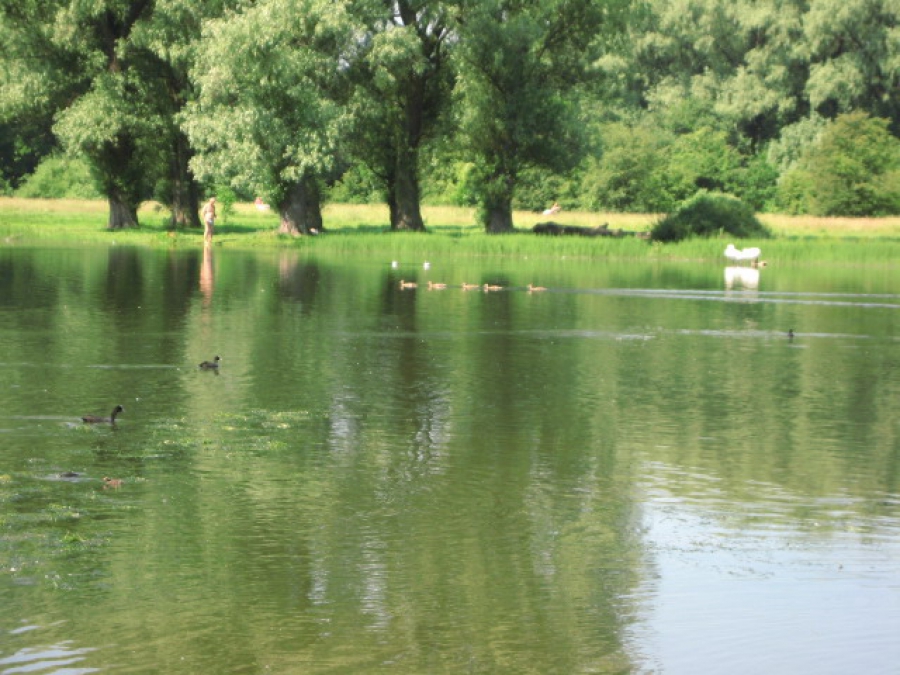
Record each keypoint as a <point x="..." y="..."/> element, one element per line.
<point x="503" y="108"/>
<point x="362" y="229"/>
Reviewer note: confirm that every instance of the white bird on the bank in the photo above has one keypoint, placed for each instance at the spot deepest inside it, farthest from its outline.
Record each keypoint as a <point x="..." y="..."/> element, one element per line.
<point x="739" y="255"/>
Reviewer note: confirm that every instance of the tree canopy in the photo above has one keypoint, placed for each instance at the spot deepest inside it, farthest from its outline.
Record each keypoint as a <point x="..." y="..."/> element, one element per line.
<point x="787" y="104"/>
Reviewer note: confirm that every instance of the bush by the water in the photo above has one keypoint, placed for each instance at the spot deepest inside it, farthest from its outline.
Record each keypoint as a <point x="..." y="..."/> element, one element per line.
<point x="709" y="214"/>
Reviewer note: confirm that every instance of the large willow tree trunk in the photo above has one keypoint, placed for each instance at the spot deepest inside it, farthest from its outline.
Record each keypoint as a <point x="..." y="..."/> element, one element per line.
<point x="120" y="173"/>
<point x="121" y="214"/>
<point x="185" y="197"/>
<point x="499" y="220"/>
<point x="406" y="213"/>
<point x="497" y="205"/>
<point x="301" y="209"/>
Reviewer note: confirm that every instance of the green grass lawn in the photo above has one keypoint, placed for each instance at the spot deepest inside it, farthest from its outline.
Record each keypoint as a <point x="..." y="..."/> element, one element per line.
<point x="363" y="229"/>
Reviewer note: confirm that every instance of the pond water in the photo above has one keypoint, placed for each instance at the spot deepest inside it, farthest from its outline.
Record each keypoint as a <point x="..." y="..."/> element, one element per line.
<point x="634" y="471"/>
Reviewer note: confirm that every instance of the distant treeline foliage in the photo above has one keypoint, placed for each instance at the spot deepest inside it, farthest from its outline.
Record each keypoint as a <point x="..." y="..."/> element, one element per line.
<point x="791" y="106"/>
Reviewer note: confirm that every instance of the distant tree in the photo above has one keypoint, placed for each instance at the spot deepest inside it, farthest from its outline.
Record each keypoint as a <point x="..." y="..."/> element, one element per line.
<point x="172" y="35"/>
<point x="112" y="74"/>
<point x="854" y="54"/>
<point x="268" y="118"/>
<point x="629" y="173"/>
<point x="516" y="62"/>
<point x="853" y="170"/>
<point x="401" y="87"/>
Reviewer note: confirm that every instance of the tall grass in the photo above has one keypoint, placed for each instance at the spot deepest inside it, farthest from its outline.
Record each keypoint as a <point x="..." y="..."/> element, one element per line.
<point x="364" y="230"/>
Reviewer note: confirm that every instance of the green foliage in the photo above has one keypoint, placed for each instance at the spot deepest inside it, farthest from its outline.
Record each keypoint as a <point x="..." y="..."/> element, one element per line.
<point x="853" y="170"/>
<point x="357" y="185"/>
<point x="701" y="159"/>
<point x="709" y="214"/>
<point x="264" y="118"/>
<point x="647" y="168"/>
<point x="226" y="198"/>
<point x="60" y="177"/>
<point x="538" y="188"/>
<point x="793" y="194"/>
<point x="755" y="181"/>
<point x="785" y="152"/>
<point x="517" y="63"/>
<point x="628" y="174"/>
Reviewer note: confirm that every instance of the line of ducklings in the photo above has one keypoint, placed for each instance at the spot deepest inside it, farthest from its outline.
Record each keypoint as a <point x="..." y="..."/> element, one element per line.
<point x="436" y="286"/>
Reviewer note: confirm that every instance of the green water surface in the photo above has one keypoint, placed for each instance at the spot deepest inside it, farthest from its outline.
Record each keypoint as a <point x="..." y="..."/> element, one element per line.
<point x="636" y="470"/>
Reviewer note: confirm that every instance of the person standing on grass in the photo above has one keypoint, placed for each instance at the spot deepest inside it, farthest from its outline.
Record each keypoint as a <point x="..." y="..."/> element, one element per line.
<point x="209" y="220"/>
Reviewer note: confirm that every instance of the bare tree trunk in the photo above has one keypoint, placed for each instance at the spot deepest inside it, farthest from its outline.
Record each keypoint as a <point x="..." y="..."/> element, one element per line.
<point x="499" y="220"/>
<point x="301" y="210"/>
<point x="185" y="195"/>
<point x="407" y="214"/>
<point x="497" y="206"/>
<point x="121" y="214"/>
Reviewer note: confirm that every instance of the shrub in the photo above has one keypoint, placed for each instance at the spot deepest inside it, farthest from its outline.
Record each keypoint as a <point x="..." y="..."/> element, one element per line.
<point x="630" y="174"/>
<point x="60" y="177"/>
<point x="853" y="169"/>
<point x="226" y="198"/>
<point x="709" y="214"/>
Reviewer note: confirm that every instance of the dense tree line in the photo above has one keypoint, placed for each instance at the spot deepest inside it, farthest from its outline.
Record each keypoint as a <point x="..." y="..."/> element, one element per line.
<point x="790" y="105"/>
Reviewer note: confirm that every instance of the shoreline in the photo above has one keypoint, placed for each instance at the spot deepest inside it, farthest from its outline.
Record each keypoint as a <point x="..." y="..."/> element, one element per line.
<point x="451" y="231"/>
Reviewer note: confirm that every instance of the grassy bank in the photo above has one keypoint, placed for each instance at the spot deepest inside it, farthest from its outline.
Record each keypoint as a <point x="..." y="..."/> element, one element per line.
<point x="363" y="229"/>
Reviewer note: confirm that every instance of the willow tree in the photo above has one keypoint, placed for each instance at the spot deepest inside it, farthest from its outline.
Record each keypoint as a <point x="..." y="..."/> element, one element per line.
<point x="112" y="73"/>
<point x="172" y="35"/>
<point x="269" y="117"/>
<point x="78" y="56"/>
<point x="517" y="61"/>
<point x="401" y="87"/>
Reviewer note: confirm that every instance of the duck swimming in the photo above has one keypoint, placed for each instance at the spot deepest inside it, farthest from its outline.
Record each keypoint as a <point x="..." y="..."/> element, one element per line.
<point x="94" y="419"/>
<point x="210" y="365"/>
<point x="114" y="483"/>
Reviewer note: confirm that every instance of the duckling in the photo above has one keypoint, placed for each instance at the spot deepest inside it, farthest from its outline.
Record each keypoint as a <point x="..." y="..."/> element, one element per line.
<point x="432" y="286"/>
<point x="489" y="287"/>
<point x="532" y="288"/>
<point x="114" y="483"/>
<point x="790" y="334"/>
<point x="469" y="287"/>
<point x="407" y="284"/>
<point x="94" y="419"/>
<point x="211" y="365"/>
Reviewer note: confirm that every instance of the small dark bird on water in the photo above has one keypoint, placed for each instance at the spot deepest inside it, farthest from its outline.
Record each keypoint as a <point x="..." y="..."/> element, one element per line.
<point x="94" y="419"/>
<point x="790" y="334"/>
<point x="211" y="365"/>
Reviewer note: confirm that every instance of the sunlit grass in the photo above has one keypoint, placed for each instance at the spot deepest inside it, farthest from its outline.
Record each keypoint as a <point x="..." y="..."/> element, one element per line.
<point x="353" y="229"/>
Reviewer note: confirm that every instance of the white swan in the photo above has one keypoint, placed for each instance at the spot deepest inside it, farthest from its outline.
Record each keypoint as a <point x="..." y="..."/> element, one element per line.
<point x="738" y="255"/>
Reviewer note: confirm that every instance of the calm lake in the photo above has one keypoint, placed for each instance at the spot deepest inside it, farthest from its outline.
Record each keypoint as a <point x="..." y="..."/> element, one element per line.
<point x="634" y="471"/>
